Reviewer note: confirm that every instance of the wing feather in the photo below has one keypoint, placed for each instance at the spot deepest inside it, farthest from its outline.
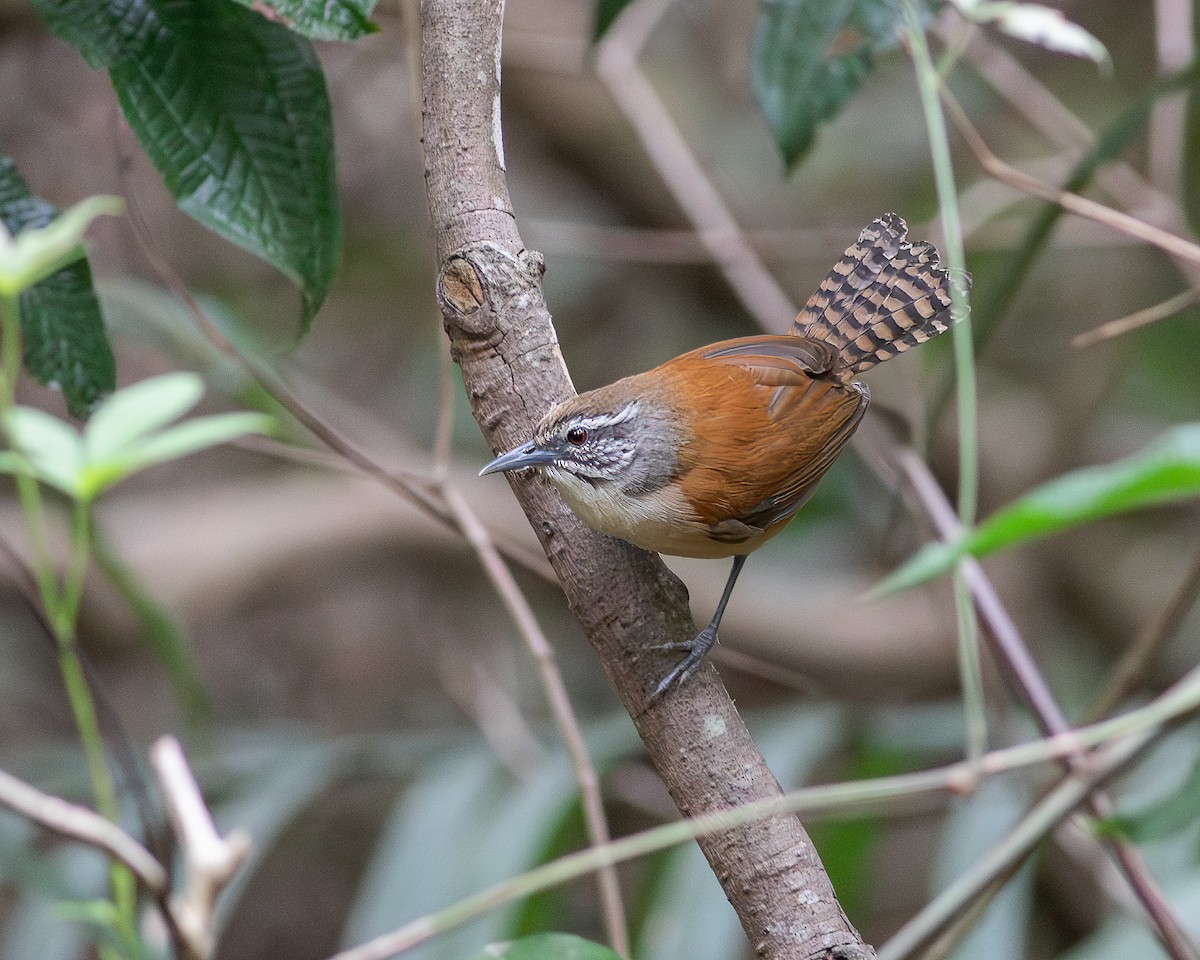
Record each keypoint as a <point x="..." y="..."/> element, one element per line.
<point x="792" y="422"/>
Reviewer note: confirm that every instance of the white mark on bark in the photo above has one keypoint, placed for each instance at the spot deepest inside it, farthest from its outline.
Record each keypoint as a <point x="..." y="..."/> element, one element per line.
<point x="497" y="133"/>
<point x="714" y="726"/>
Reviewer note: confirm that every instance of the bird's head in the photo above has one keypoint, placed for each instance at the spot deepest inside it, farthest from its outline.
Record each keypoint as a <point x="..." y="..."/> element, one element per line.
<point x="606" y="436"/>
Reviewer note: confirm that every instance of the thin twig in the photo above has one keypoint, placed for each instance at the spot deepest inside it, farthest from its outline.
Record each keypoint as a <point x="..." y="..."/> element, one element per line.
<point x="514" y="600"/>
<point x="1123" y="738"/>
<point x="1050" y="117"/>
<point x="1132" y="666"/>
<point x="80" y="823"/>
<point x="210" y="861"/>
<point x="618" y="69"/>
<point x="611" y="905"/>
<point x="1169" y="243"/>
<point x="1010" y="647"/>
<point x="1015" y="847"/>
<point x="1136" y="320"/>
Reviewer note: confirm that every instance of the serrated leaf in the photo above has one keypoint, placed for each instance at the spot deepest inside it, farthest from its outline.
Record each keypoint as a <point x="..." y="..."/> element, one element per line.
<point x="318" y="19"/>
<point x="137" y="410"/>
<point x="1167" y="470"/>
<point x="97" y="30"/>
<point x="64" y="343"/>
<point x="233" y="112"/>
<point x="548" y="946"/>
<point x="607" y="12"/>
<point x="189" y="437"/>
<point x="54" y="448"/>
<point x="809" y="57"/>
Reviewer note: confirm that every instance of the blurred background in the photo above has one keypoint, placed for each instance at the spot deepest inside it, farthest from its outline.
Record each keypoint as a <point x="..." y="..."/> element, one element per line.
<point x="347" y="683"/>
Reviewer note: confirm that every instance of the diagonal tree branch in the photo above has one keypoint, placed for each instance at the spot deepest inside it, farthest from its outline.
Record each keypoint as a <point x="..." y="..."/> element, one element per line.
<point x="489" y="288"/>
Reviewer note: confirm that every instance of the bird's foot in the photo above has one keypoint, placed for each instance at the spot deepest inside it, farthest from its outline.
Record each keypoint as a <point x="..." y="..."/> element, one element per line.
<point x="695" y="651"/>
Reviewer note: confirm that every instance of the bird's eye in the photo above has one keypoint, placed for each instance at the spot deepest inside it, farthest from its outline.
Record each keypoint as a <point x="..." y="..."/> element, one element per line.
<point x="577" y="436"/>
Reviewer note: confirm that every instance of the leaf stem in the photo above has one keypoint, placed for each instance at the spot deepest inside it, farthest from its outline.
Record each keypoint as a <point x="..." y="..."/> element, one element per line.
<point x="64" y="616"/>
<point x="1123" y="739"/>
<point x="10" y="343"/>
<point x="61" y="603"/>
<point x="964" y="370"/>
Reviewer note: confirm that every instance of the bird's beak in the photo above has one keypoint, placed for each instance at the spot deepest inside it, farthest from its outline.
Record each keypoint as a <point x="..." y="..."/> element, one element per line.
<point x="526" y="455"/>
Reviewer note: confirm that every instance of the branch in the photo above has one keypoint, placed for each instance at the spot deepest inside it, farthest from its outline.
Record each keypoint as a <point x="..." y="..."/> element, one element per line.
<point x="1010" y="649"/>
<point x="209" y="860"/>
<point x="896" y="795"/>
<point x="489" y="288"/>
<point x="79" y="823"/>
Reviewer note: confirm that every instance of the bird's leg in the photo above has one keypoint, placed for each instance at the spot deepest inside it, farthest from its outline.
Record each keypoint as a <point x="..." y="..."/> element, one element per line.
<point x="697" y="648"/>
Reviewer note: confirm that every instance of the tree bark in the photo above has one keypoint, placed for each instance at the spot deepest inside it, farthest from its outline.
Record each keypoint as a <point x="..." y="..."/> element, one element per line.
<point x="489" y="289"/>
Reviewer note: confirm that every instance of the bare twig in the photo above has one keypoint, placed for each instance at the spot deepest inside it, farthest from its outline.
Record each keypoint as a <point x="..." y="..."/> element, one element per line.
<point x="1012" y="651"/>
<point x="209" y="860"/>
<point x="1137" y="320"/>
<point x="1021" y="841"/>
<point x="1121" y="739"/>
<point x="80" y="823"/>
<point x="411" y="486"/>
<point x="611" y="905"/>
<point x="1132" y="666"/>
<point x="1169" y="243"/>
<point x="560" y="705"/>
<point x="619" y="71"/>
<point x="1048" y="115"/>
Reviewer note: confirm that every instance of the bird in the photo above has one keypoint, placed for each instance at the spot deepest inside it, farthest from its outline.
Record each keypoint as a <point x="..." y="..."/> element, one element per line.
<point x="711" y="454"/>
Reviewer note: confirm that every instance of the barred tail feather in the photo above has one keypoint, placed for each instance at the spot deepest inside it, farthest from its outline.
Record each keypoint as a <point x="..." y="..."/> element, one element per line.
<point x="884" y="296"/>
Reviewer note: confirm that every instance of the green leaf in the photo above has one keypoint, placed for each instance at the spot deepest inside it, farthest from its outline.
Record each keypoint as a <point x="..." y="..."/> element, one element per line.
<point x="233" y="112"/>
<point x="1167" y="470"/>
<point x="137" y="410"/>
<point x="317" y="19"/>
<point x="1167" y="818"/>
<point x="11" y="462"/>
<point x="548" y="946"/>
<point x="54" y="448"/>
<point x="607" y="12"/>
<point x="1037" y="24"/>
<point x="810" y="56"/>
<point x="188" y="437"/>
<point x="160" y="629"/>
<point x="37" y="253"/>
<point x="64" y="340"/>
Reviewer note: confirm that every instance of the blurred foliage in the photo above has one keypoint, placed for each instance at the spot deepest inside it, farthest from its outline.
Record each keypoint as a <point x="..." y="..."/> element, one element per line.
<point x="63" y="334"/>
<point x="809" y="59"/>
<point x="232" y="110"/>
<point x="313" y="614"/>
<point x="1167" y="470"/>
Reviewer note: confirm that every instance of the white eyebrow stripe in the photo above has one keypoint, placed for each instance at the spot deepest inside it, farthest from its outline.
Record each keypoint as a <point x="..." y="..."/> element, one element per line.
<point x="612" y="419"/>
